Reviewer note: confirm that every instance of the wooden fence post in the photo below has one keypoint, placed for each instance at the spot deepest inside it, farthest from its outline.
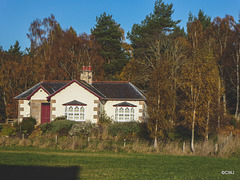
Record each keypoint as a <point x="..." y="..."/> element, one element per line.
<point x="56" y="139"/>
<point x="216" y="148"/>
<point x="124" y="144"/>
<point x="184" y="147"/>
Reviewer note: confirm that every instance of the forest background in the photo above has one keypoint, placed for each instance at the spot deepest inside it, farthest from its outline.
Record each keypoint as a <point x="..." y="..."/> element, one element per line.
<point x="191" y="79"/>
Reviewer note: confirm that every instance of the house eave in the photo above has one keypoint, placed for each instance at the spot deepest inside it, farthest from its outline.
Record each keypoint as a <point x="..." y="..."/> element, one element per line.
<point x="19" y="98"/>
<point x="40" y="87"/>
<point x="29" y="97"/>
<point x="123" y="99"/>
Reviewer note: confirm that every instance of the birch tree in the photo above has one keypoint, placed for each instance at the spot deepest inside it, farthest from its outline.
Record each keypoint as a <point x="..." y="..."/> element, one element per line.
<point x="198" y="84"/>
<point x="221" y="29"/>
<point x="236" y="57"/>
<point x="159" y="98"/>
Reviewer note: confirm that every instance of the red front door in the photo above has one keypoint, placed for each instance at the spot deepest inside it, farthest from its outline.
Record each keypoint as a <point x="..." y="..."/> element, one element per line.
<point x="45" y="113"/>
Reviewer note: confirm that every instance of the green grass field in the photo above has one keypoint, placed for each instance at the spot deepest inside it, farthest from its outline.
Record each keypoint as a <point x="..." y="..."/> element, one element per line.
<point x="30" y="163"/>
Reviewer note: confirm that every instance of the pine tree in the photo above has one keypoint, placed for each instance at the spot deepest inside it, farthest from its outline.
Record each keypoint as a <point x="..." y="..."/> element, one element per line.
<point x="110" y="36"/>
<point x="15" y="49"/>
<point x="157" y="26"/>
<point x="204" y="19"/>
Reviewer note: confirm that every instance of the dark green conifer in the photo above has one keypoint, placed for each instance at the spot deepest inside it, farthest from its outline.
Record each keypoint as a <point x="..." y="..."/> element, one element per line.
<point x="110" y="36"/>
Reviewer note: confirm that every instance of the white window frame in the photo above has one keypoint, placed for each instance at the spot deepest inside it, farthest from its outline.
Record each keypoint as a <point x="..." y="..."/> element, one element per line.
<point x="67" y="113"/>
<point x="131" y="115"/>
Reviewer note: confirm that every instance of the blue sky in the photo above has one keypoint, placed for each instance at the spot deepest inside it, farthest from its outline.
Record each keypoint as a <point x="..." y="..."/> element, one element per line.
<point x="17" y="15"/>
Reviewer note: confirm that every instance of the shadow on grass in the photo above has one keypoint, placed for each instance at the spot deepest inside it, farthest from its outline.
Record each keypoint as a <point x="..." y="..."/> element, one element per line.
<point x="8" y="172"/>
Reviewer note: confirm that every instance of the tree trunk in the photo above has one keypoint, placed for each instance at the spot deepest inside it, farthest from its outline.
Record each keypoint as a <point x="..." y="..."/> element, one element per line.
<point x="193" y="128"/>
<point x="224" y="104"/>
<point x="207" y="123"/>
<point x="237" y="103"/>
<point x="157" y="120"/>
<point x="174" y="95"/>
<point x="3" y="115"/>
<point x="4" y="98"/>
<point x="155" y="139"/>
<point x="219" y="101"/>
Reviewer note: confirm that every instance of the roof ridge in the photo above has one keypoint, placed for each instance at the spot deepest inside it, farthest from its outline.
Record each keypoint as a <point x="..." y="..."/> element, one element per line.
<point x="84" y="84"/>
<point x="94" y="88"/>
<point x="111" y="82"/>
<point x="55" y="81"/>
<point x="138" y="90"/>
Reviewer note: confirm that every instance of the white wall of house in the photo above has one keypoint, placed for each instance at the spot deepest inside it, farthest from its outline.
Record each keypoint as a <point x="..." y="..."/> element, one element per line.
<point x="26" y="109"/>
<point x="110" y="109"/>
<point x="40" y="95"/>
<point x="25" y="106"/>
<point x="37" y="99"/>
<point x="75" y="92"/>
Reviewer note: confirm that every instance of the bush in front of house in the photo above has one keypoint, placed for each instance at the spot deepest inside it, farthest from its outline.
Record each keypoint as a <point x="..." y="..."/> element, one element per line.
<point x="124" y="130"/>
<point x="27" y="125"/>
<point x="8" y="130"/>
<point x="36" y="133"/>
<point x="1" y="127"/>
<point x="84" y="130"/>
<point x="60" y="118"/>
<point x="61" y="127"/>
<point x="104" y="119"/>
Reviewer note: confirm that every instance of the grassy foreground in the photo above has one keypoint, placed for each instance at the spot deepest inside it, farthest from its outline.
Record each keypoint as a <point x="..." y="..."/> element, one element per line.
<point x="28" y="163"/>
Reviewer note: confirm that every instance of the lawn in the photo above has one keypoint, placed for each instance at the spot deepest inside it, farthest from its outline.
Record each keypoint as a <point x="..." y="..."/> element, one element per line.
<point x="27" y="163"/>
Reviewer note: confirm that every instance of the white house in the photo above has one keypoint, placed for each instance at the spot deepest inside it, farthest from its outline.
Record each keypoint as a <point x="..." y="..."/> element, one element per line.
<point x="82" y="100"/>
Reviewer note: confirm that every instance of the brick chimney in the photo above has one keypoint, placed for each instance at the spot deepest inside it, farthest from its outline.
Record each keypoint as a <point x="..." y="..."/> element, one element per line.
<point x="86" y="74"/>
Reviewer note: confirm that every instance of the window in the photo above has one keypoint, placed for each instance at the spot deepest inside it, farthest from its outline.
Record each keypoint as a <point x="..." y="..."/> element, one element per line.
<point x="82" y="113"/>
<point x="116" y="114"/>
<point x="124" y="114"/>
<point x="132" y="114"/>
<point x="76" y="113"/>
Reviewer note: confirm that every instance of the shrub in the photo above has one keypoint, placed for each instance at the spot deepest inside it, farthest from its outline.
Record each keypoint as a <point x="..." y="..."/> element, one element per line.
<point x="45" y="127"/>
<point x="1" y="126"/>
<point x="180" y="132"/>
<point x="144" y="132"/>
<point x="37" y="132"/>
<point x="233" y="122"/>
<point x="60" y="118"/>
<point x="61" y="128"/>
<point x="8" y="130"/>
<point x="104" y="119"/>
<point x="83" y="129"/>
<point x="27" y="125"/>
<point x="125" y="130"/>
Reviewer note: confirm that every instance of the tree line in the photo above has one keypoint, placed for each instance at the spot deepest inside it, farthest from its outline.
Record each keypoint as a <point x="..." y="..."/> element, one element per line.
<point x="191" y="79"/>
